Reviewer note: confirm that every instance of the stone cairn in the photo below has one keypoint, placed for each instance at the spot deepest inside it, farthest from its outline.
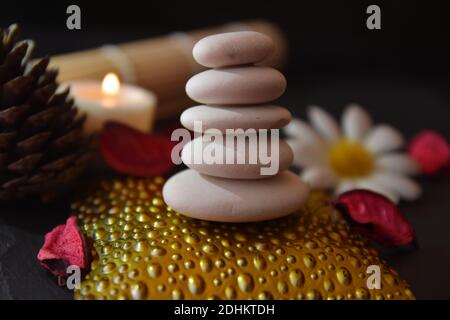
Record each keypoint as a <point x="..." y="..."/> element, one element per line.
<point x="235" y="95"/>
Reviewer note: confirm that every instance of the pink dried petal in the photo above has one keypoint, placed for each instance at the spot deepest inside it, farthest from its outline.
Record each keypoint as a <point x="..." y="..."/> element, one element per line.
<point x="65" y="245"/>
<point x="430" y="150"/>
<point x="376" y="217"/>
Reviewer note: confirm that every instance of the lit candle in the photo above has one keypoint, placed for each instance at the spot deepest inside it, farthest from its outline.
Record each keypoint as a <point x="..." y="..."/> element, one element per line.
<point x="111" y="100"/>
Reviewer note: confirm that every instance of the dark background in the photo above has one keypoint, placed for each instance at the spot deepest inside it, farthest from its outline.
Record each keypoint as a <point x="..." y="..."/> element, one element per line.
<point x="325" y="36"/>
<point x="400" y="73"/>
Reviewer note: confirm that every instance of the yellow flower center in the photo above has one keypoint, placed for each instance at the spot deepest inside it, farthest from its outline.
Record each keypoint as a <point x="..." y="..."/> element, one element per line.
<point x="349" y="159"/>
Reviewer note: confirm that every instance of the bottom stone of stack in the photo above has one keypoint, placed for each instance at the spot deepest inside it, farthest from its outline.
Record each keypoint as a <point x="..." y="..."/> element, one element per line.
<point x="227" y="200"/>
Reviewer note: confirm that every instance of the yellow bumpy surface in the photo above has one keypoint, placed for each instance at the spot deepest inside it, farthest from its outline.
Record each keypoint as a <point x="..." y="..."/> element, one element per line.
<point x="144" y="250"/>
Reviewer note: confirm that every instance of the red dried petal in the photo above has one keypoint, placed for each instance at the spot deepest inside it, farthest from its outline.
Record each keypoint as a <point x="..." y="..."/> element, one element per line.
<point x="376" y="217"/>
<point x="65" y="245"/>
<point x="169" y="127"/>
<point x="430" y="150"/>
<point x="130" y="151"/>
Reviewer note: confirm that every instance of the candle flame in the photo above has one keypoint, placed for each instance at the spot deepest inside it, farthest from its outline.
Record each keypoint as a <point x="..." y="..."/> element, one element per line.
<point x="111" y="84"/>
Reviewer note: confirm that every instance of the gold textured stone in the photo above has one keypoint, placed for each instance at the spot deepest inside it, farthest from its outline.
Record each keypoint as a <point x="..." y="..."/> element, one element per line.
<point x="144" y="250"/>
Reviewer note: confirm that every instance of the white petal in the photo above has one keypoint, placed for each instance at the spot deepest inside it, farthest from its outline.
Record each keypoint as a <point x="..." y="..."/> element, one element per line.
<point x="356" y="122"/>
<point x="405" y="187"/>
<point x="319" y="177"/>
<point x="324" y="123"/>
<point x="344" y="186"/>
<point x="305" y="154"/>
<point x="382" y="138"/>
<point x="398" y="162"/>
<point x="298" y="129"/>
<point x="372" y="186"/>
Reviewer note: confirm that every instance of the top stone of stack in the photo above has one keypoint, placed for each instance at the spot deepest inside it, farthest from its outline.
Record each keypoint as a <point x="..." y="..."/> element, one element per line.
<point x="232" y="49"/>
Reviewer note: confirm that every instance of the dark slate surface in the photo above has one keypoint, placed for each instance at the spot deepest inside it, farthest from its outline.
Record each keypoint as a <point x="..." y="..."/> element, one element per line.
<point x="404" y="103"/>
<point x="22" y="230"/>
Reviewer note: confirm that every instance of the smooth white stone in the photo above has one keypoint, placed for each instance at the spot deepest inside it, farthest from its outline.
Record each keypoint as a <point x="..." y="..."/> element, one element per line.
<point x="235" y="171"/>
<point x="222" y="118"/>
<point x="246" y="85"/>
<point x="232" y="48"/>
<point x="227" y="200"/>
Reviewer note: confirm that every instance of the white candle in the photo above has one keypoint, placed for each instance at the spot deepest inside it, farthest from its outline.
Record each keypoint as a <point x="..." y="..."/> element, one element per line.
<point x="111" y="101"/>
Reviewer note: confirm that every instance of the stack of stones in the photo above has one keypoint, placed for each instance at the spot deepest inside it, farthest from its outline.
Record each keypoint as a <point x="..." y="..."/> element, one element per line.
<point x="232" y="94"/>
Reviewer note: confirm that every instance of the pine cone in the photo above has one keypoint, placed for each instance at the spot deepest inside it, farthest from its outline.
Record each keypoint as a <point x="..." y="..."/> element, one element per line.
<point x="41" y="144"/>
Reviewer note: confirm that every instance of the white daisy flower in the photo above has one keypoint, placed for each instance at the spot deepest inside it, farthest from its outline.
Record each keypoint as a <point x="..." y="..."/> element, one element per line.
<point x="358" y="156"/>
